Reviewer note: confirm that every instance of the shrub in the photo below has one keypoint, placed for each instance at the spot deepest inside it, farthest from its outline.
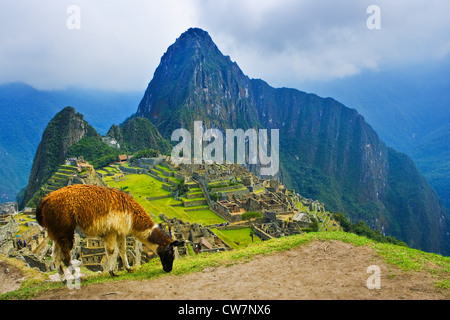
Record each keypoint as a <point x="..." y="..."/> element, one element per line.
<point x="251" y="215"/>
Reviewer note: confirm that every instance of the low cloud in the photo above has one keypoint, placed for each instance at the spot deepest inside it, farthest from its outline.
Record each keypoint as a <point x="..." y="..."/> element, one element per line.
<point x="120" y="43"/>
<point x="295" y="41"/>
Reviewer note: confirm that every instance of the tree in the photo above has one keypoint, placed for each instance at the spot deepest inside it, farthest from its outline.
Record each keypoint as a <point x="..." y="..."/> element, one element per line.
<point x="251" y="215"/>
<point x="180" y="190"/>
<point x="214" y="196"/>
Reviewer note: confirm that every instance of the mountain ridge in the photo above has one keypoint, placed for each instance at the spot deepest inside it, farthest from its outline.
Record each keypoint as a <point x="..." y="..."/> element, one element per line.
<point x="339" y="158"/>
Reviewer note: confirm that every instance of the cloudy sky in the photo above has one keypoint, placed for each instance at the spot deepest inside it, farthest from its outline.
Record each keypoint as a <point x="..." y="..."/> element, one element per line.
<point x="117" y="44"/>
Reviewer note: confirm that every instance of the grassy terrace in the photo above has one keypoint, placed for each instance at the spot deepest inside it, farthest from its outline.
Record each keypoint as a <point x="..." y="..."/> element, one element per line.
<point x="143" y="186"/>
<point x="108" y="170"/>
<point x="236" y="238"/>
<point x="162" y="168"/>
<point x="173" y="208"/>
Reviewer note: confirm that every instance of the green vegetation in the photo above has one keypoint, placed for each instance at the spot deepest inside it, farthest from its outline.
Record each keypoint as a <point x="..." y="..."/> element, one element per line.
<point x="251" y="215"/>
<point x="59" y="179"/>
<point x="237" y="238"/>
<point x="146" y="153"/>
<point x="362" y="229"/>
<point x="404" y="258"/>
<point x="173" y="208"/>
<point x="136" y="134"/>
<point x="314" y="225"/>
<point x="95" y="151"/>
<point x="180" y="190"/>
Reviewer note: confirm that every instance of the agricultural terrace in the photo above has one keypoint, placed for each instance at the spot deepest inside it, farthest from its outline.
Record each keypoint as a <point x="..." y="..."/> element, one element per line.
<point x="146" y="189"/>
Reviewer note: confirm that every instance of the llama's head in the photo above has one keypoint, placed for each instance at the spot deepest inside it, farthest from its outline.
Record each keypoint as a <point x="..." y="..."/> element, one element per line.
<point x="167" y="254"/>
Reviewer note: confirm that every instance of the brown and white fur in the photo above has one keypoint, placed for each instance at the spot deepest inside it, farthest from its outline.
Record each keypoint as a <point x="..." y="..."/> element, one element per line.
<point x="105" y="213"/>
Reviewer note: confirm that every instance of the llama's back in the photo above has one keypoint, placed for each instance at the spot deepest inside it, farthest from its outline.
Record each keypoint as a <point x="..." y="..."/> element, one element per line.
<point x="39" y="216"/>
<point x="96" y="210"/>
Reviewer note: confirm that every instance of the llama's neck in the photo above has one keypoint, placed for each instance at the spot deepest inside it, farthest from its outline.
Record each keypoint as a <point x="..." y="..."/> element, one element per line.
<point x="159" y="237"/>
<point x="154" y="238"/>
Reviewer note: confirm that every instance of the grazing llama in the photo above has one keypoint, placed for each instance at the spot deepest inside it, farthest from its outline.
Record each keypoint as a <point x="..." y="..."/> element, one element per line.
<point x="105" y="213"/>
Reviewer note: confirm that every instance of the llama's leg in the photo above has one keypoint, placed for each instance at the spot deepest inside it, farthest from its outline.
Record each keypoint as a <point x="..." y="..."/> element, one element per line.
<point x="122" y="245"/>
<point x="56" y="256"/>
<point x="66" y="245"/>
<point x="111" y="254"/>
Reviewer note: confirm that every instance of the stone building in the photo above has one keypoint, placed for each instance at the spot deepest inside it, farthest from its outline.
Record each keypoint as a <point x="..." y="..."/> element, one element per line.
<point x="199" y="238"/>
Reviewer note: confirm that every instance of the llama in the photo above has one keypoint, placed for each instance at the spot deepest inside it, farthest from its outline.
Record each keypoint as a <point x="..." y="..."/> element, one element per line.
<point x="105" y="213"/>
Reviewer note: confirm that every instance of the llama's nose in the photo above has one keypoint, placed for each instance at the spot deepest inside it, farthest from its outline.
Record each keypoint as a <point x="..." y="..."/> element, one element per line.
<point x="167" y="269"/>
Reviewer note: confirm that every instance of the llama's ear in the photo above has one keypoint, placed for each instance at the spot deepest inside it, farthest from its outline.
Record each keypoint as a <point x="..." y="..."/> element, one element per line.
<point x="177" y="243"/>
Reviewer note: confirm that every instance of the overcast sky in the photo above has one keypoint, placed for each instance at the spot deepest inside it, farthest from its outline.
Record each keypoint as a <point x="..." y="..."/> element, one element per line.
<point x="119" y="44"/>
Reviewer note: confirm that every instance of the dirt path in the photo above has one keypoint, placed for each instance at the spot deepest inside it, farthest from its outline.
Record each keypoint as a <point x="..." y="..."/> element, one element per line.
<point x="319" y="270"/>
<point x="11" y="277"/>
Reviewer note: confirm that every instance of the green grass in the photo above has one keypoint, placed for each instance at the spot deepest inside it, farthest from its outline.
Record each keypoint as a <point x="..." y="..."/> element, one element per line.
<point x="139" y="185"/>
<point x="205" y="217"/>
<point x="405" y="258"/>
<point x="142" y="186"/>
<point x="201" y="197"/>
<point x="26" y="218"/>
<point x="236" y="238"/>
<point x="165" y="168"/>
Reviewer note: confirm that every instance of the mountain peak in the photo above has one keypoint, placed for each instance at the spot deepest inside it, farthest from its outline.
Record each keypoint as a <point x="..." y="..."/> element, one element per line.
<point x="192" y="42"/>
<point x="196" y="32"/>
<point x="193" y="62"/>
<point x="195" y="37"/>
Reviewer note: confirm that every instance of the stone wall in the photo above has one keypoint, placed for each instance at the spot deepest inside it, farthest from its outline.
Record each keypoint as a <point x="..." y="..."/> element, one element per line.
<point x="7" y="232"/>
<point x="194" y="203"/>
<point x="261" y="234"/>
<point x="132" y="170"/>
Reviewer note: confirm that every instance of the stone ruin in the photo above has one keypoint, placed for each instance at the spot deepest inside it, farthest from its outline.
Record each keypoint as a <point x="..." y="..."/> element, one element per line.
<point x="199" y="238"/>
<point x="284" y="225"/>
<point x="266" y="201"/>
<point x="9" y="226"/>
<point x="8" y="208"/>
<point x="31" y="246"/>
<point x="91" y="253"/>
